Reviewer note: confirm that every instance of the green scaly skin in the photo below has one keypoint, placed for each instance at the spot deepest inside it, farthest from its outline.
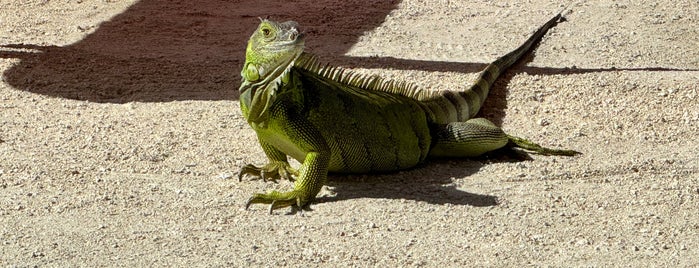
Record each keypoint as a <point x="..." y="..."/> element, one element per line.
<point x="333" y="120"/>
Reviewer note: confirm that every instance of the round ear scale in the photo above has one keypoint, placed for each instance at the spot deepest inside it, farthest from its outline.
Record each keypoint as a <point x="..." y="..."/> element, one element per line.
<point x="250" y="73"/>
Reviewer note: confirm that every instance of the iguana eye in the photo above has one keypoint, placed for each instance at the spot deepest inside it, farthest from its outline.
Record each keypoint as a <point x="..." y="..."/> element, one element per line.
<point x="266" y="32"/>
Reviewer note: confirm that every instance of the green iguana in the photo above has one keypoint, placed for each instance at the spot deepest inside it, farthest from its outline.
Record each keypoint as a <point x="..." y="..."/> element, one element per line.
<point x="333" y="120"/>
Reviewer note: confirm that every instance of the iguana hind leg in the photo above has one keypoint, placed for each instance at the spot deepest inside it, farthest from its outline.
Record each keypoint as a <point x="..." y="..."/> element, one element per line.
<point x="478" y="136"/>
<point x="466" y="139"/>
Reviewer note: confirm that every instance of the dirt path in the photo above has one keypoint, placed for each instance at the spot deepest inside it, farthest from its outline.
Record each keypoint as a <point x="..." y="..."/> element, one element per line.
<point x="120" y="135"/>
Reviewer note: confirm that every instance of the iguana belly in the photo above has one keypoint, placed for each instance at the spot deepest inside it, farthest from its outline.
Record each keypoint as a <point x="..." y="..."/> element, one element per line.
<point x="382" y="145"/>
<point x="391" y="141"/>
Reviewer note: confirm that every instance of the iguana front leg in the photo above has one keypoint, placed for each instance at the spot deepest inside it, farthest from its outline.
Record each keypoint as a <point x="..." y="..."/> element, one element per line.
<point x="313" y="174"/>
<point x="278" y="166"/>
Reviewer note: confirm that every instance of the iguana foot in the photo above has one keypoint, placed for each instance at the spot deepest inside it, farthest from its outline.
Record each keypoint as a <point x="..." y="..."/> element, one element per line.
<point x="269" y="172"/>
<point x="277" y="200"/>
<point x="533" y="147"/>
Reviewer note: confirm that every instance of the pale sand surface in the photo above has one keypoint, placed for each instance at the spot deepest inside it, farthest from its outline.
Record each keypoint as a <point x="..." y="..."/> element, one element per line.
<point x="121" y="136"/>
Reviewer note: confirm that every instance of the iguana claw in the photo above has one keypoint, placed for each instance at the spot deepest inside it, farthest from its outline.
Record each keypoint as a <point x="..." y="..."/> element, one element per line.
<point x="279" y="200"/>
<point x="269" y="172"/>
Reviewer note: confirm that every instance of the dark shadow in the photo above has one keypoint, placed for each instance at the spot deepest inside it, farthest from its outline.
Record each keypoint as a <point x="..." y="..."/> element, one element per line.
<point x="160" y="50"/>
<point x="432" y="183"/>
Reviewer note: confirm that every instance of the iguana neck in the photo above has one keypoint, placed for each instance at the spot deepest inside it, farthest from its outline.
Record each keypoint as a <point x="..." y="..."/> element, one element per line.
<point x="256" y="97"/>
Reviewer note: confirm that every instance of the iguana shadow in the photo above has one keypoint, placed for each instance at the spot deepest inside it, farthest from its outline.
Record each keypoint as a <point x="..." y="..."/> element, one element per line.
<point x="431" y="182"/>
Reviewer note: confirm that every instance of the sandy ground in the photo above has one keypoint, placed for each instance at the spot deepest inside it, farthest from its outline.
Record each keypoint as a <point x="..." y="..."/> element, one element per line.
<point x="121" y="135"/>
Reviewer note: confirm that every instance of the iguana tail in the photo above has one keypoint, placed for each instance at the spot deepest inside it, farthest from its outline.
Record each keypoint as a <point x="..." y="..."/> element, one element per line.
<point x="454" y="106"/>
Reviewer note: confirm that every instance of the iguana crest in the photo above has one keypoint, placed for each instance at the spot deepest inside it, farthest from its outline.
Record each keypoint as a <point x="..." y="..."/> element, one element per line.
<point x="311" y="63"/>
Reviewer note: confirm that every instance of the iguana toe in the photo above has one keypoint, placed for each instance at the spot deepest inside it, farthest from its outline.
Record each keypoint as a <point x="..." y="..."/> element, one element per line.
<point x="269" y="172"/>
<point x="278" y="200"/>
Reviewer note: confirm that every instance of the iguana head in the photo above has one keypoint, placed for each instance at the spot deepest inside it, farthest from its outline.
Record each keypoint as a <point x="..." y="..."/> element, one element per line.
<point x="271" y="49"/>
<point x="271" y="52"/>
